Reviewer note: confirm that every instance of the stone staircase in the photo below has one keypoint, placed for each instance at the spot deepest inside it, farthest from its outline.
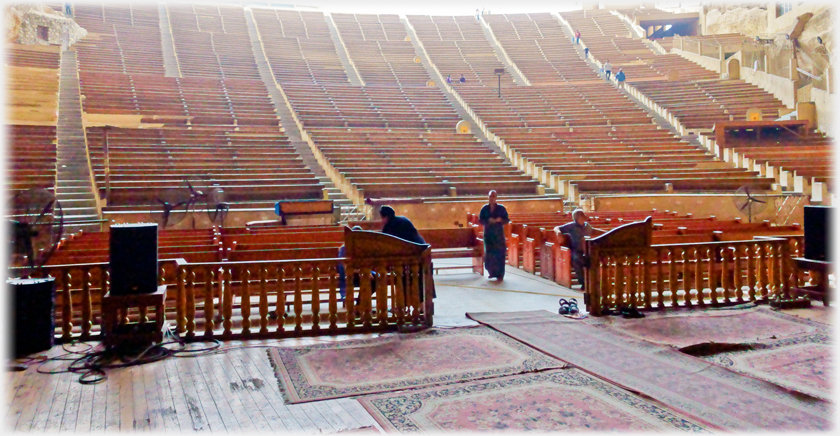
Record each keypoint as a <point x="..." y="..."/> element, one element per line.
<point x="73" y="181"/>
<point x="170" y="61"/>
<point x="435" y="74"/>
<point x="349" y="67"/>
<point x="345" y="207"/>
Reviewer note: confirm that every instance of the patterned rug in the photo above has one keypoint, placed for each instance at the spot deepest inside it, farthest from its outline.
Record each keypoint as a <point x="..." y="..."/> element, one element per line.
<point x="706" y="392"/>
<point x="391" y="363"/>
<point x="802" y="364"/>
<point x="563" y="400"/>
<point x="684" y="328"/>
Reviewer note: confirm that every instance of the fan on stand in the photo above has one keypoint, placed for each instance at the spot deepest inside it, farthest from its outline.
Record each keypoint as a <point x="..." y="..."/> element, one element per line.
<point x="37" y="224"/>
<point x="750" y="200"/>
<point x="216" y="206"/>
<point x="172" y="204"/>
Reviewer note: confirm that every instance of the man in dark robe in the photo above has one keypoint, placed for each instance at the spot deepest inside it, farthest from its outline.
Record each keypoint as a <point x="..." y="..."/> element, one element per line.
<point x="493" y="217"/>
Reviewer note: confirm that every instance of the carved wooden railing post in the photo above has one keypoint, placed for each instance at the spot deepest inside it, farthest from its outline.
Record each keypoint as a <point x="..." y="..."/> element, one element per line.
<point x="103" y="288"/>
<point x="87" y="307"/>
<point x="190" y="315"/>
<point x="298" y="300"/>
<point x="619" y="280"/>
<point x="660" y="280"/>
<point x="751" y="279"/>
<point x="180" y="307"/>
<point x="400" y="294"/>
<point x="763" y="278"/>
<point x="263" y="301"/>
<point x="698" y="275"/>
<point x="279" y="307"/>
<point x="726" y="263"/>
<point x="686" y="267"/>
<point x="784" y="280"/>
<point x="245" y="304"/>
<point x="208" y="303"/>
<point x="316" y="300"/>
<point x="428" y="288"/>
<point x="333" y="299"/>
<point x="349" y="297"/>
<point x="632" y="262"/>
<point x="382" y="296"/>
<point x="414" y="293"/>
<point x="366" y="296"/>
<point x="714" y="254"/>
<point x="738" y="274"/>
<point x="646" y="283"/>
<point x="66" y="307"/>
<point x="672" y="276"/>
<point x="227" y="301"/>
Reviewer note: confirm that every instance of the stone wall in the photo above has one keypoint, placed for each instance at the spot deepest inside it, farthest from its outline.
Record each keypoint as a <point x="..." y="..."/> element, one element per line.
<point x="23" y="20"/>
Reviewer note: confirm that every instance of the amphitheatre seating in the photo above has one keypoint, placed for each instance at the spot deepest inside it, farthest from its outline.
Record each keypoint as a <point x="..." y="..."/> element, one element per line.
<point x="93" y="247"/>
<point x="32" y="56"/>
<point x="251" y="163"/>
<point x="32" y="157"/>
<point x="457" y="45"/>
<point x="32" y="84"/>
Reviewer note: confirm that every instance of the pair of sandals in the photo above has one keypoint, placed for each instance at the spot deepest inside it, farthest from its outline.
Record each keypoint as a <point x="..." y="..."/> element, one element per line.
<point x="568" y="307"/>
<point x="626" y="311"/>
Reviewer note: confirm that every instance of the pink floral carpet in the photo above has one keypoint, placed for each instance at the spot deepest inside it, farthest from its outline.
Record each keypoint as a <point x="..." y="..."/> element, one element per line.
<point x="396" y="362"/>
<point x="704" y="391"/>
<point x="562" y="400"/>
<point x="801" y="364"/>
<point x="685" y="328"/>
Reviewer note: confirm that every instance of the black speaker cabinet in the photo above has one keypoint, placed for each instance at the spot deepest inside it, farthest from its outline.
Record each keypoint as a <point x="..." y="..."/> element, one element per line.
<point x="134" y="259"/>
<point x="33" y="317"/>
<point x="818" y="233"/>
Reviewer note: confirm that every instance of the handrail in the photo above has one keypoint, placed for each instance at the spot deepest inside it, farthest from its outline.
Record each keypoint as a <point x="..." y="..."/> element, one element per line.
<point x="501" y="50"/>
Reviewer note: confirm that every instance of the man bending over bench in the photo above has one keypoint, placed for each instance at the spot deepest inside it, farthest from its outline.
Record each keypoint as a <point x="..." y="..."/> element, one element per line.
<point x="577" y="231"/>
<point x="493" y="217"/>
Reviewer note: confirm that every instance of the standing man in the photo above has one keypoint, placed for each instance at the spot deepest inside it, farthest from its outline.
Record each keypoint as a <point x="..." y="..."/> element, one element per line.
<point x="620" y="78"/>
<point x="586" y="52"/>
<point x="493" y="217"/>
<point x="577" y="231"/>
<point x="577" y="37"/>
<point x="607" y="68"/>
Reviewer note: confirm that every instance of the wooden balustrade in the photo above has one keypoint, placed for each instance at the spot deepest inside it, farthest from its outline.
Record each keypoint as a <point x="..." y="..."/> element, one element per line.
<point x="625" y="269"/>
<point x="241" y="300"/>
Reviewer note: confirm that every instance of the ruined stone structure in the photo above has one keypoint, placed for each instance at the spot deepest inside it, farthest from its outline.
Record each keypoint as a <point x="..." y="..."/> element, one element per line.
<point x="37" y="24"/>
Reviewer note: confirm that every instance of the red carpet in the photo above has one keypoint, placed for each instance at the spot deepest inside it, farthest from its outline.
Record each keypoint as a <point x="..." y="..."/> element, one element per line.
<point x="562" y="400"/>
<point x="802" y="364"/>
<point x="703" y="391"/>
<point x="689" y="327"/>
<point x="391" y="363"/>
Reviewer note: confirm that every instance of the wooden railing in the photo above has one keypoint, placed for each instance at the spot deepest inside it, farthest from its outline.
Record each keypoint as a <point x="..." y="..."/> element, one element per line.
<point x="248" y="300"/>
<point x="626" y="270"/>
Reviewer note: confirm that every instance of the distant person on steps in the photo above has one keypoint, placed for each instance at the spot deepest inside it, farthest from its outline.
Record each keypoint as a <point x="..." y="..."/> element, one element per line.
<point x="493" y="217"/>
<point x="607" y="69"/>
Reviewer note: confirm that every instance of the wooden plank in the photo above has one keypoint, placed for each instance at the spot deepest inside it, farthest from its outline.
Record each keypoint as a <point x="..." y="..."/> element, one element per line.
<point x="14" y="384"/>
<point x="100" y="405"/>
<point x="354" y="408"/>
<point x="112" y="408"/>
<point x="59" y="401"/>
<point x="347" y="418"/>
<point x="229" y="406"/>
<point x="22" y="394"/>
<point x="330" y="416"/>
<point x="258" y="361"/>
<point x="85" y="408"/>
<point x="202" y="395"/>
<point x="171" y="388"/>
<point x="181" y="380"/>
<point x="126" y="401"/>
<point x="167" y="407"/>
<point x="278" y="417"/>
<point x="152" y="398"/>
<point x="140" y="421"/>
<point x="244" y="387"/>
<point x="41" y="387"/>
<point x="71" y="410"/>
<point x="316" y="417"/>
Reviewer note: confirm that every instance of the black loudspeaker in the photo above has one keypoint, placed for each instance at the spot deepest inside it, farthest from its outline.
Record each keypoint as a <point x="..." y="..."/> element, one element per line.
<point x="33" y="317"/>
<point x="818" y="233"/>
<point x="134" y="259"/>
